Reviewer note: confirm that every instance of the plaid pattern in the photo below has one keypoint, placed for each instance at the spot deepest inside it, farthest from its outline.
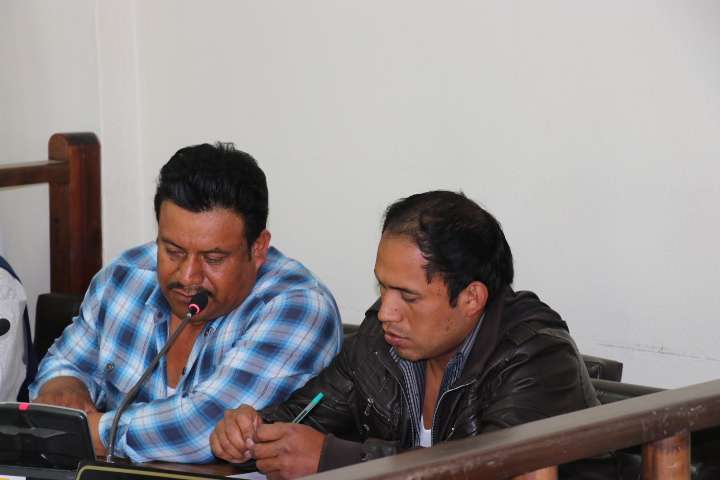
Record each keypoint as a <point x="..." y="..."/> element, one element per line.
<point x="415" y="377"/>
<point x="283" y="334"/>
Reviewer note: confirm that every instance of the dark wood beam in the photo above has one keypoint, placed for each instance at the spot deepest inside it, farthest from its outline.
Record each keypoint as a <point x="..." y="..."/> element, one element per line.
<point x="15" y="174"/>
<point x="75" y="213"/>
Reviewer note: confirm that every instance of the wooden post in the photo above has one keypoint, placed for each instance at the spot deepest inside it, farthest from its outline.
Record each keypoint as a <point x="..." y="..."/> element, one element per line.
<point x="667" y="459"/>
<point x="549" y="473"/>
<point x="75" y="213"/>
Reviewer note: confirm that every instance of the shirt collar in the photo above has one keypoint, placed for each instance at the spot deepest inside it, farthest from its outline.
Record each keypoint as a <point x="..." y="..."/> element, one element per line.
<point x="464" y="351"/>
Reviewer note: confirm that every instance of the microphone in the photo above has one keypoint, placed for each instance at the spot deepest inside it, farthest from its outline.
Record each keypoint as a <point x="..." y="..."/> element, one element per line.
<point x="198" y="302"/>
<point x="4" y="326"/>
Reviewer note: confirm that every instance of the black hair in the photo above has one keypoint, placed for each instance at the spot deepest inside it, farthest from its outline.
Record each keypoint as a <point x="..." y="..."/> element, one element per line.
<point x="461" y="241"/>
<point x="204" y="177"/>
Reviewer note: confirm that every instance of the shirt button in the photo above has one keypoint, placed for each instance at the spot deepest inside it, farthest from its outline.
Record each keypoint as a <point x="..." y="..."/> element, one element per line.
<point x="184" y="371"/>
<point x="109" y="366"/>
<point x="207" y="332"/>
<point x="160" y="314"/>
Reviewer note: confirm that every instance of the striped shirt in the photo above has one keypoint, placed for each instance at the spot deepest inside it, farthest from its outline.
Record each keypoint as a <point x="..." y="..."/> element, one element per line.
<point x="415" y="377"/>
<point x="283" y="334"/>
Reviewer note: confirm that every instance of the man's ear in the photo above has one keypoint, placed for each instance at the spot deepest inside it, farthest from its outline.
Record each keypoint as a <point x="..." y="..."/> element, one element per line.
<point x="259" y="249"/>
<point x="473" y="299"/>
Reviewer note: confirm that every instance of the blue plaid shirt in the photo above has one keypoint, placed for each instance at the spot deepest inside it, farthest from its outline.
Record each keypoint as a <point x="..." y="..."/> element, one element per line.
<point x="283" y="334"/>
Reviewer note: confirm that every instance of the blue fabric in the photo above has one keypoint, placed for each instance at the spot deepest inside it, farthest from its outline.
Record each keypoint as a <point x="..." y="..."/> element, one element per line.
<point x="32" y="361"/>
<point x="283" y="334"/>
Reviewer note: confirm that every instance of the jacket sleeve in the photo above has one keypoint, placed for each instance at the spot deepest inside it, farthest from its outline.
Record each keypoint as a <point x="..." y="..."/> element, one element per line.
<point x="338" y="453"/>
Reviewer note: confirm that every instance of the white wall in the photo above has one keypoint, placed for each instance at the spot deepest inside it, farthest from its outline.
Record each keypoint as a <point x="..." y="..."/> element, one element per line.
<point x="48" y="84"/>
<point x="590" y="129"/>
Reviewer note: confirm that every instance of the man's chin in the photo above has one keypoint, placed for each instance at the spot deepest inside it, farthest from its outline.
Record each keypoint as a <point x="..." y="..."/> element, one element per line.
<point x="405" y="354"/>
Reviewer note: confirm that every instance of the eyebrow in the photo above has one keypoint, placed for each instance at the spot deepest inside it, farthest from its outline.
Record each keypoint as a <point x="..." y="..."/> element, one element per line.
<point x="215" y="250"/>
<point x="400" y="289"/>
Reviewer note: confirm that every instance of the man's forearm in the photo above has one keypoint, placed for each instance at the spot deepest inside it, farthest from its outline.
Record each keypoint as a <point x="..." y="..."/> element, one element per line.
<point x="66" y="392"/>
<point x="94" y="419"/>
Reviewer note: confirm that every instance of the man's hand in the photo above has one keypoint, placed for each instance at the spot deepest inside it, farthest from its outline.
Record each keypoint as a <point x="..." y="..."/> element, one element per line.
<point x="287" y="450"/>
<point x="66" y="392"/>
<point x="232" y="438"/>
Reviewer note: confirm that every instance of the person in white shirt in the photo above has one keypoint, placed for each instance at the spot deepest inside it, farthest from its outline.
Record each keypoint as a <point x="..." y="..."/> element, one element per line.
<point x="13" y="358"/>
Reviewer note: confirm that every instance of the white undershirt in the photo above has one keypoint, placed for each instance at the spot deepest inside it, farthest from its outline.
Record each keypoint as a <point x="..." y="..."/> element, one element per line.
<point x="425" y="435"/>
<point x="170" y="391"/>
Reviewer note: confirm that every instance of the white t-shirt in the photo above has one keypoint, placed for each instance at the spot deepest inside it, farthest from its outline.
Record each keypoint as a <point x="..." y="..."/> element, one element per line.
<point x="12" y="345"/>
<point x="425" y="435"/>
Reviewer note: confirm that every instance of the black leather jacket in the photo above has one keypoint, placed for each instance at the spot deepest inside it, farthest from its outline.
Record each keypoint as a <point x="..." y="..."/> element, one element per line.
<point x="524" y="366"/>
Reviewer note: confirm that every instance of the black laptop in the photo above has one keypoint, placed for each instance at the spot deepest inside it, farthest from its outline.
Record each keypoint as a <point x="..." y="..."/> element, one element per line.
<point x="43" y="441"/>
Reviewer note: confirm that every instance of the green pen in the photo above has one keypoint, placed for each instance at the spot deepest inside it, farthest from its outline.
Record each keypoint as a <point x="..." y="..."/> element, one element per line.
<point x="307" y="409"/>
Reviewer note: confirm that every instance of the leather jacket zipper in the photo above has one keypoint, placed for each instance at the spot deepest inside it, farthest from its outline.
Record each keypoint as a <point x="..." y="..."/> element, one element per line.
<point x="452" y="429"/>
<point x="369" y="406"/>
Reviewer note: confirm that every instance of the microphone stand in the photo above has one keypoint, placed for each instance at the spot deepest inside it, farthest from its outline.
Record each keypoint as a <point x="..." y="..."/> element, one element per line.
<point x="194" y="310"/>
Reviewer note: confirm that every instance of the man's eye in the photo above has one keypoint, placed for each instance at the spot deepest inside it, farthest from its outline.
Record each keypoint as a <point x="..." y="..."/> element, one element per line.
<point x="172" y="252"/>
<point x="408" y="299"/>
<point x="213" y="261"/>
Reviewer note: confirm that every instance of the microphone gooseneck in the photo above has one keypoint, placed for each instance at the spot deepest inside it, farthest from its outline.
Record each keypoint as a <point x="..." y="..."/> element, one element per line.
<point x="198" y="302"/>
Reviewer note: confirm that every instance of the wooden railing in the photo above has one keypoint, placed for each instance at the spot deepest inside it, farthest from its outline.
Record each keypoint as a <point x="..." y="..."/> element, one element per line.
<point x="660" y="422"/>
<point x="73" y="173"/>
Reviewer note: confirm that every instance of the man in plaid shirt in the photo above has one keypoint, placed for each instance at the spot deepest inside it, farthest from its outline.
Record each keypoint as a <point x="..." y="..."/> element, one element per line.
<point x="269" y="326"/>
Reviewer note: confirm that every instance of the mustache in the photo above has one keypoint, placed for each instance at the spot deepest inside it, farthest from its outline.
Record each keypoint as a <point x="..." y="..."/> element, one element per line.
<point x="190" y="289"/>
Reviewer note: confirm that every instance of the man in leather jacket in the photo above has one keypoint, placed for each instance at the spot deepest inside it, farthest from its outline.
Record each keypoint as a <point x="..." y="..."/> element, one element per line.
<point x="448" y="352"/>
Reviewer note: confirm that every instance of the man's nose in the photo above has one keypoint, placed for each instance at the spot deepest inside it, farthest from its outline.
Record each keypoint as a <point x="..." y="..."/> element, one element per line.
<point x="389" y="311"/>
<point x="191" y="271"/>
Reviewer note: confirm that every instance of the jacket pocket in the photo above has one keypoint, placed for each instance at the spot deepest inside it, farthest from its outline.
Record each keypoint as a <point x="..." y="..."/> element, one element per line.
<point x="374" y="419"/>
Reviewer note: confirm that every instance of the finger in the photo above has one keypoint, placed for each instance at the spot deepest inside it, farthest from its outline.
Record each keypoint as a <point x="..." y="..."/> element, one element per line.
<point x="270" y="450"/>
<point x="271" y="432"/>
<point x="217" y="450"/>
<point x="268" y="467"/>
<point x="244" y="421"/>
<point x="226" y="445"/>
<point x="276" y="475"/>
<point x="247" y="421"/>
